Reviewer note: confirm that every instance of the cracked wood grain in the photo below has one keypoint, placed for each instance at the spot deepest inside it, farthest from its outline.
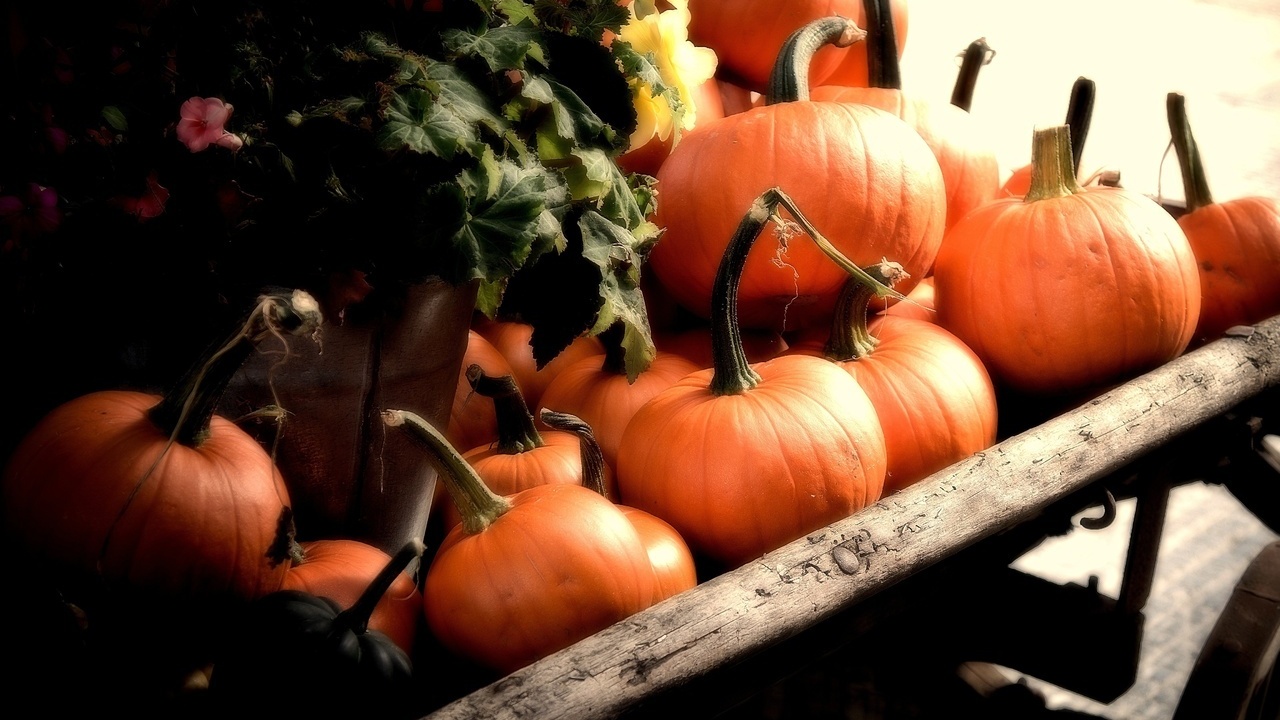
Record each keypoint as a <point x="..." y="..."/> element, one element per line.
<point x="810" y="579"/>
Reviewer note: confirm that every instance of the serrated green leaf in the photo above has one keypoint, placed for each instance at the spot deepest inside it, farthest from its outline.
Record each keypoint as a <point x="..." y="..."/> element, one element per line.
<point x="517" y="11"/>
<point x="576" y="119"/>
<point x="416" y="122"/>
<point x="461" y="97"/>
<point x="501" y="48"/>
<point x="591" y="177"/>
<point x="501" y="227"/>
<point x="489" y="297"/>
<point x="610" y="248"/>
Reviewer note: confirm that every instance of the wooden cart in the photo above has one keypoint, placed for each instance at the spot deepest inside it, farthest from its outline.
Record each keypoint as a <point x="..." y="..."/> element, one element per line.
<point x="875" y="585"/>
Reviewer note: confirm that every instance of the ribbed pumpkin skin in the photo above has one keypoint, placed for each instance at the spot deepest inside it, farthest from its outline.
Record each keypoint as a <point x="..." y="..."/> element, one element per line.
<point x="200" y="528"/>
<point x="935" y="400"/>
<point x="561" y="564"/>
<point x="747" y="34"/>
<point x="866" y="180"/>
<point x="674" y="569"/>
<point x="968" y="163"/>
<point x="1069" y="293"/>
<point x="740" y="475"/>
<point x="1237" y="245"/>
<point x="606" y="400"/>
<point x="342" y="569"/>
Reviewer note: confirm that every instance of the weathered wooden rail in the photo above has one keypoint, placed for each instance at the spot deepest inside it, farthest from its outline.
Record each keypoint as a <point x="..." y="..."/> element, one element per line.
<point x="741" y="612"/>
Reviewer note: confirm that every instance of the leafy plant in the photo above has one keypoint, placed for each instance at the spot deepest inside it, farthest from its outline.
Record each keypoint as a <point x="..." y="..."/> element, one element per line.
<point x="215" y="148"/>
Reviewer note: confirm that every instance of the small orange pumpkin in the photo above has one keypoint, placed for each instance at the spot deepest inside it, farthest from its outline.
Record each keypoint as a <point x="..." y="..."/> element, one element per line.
<point x="527" y="575"/>
<point x="934" y="398"/>
<point x="1236" y="242"/>
<point x="342" y="569"/>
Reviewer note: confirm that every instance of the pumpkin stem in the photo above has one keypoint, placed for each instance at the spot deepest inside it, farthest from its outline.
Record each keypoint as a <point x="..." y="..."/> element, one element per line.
<point x="1194" y="182"/>
<point x="592" y="455"/>
<point x="789" y="80"/>
<point x="883" y="70"/>
<point x="1079" y="116"/>
<point x="185" y="411"/>
<point x="1052" y="167"/>
<point x="478" y="505"/>
<point x="978" y="54"/>
<point x="615" y="355"/>
<point x="516" y="431"/>
<point x="850" y="339"/>
<point x="356" y="617"/>
<point x="732" y="372"/>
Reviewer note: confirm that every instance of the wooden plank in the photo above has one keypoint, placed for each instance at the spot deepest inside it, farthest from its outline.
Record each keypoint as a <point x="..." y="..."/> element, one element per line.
<point x="748" y="609"/>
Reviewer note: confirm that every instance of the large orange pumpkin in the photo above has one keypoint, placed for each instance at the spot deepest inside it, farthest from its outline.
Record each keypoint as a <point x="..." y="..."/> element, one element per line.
<point x="741" y="458"/>
<point x="176" y="512"/>
<point x="1236" y="242"/>
<point x="863" y="176"/>
<point x="1068" y="288"/>
<point x="970" y="171"/>
<point x="747" y="36"/>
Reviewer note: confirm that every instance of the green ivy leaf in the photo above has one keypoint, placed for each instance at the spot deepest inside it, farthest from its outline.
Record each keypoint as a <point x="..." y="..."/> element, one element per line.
<point x="591" y="176"/>
<point x="503" y="215"/>
<point x="612" y="249"/>
<point x="415" y="121"/>
<point x="517" y="11"/>
<point x="501" y="48"/>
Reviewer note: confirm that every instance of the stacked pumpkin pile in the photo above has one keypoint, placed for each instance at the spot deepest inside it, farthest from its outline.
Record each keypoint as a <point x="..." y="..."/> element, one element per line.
<point x="899" y="297"/>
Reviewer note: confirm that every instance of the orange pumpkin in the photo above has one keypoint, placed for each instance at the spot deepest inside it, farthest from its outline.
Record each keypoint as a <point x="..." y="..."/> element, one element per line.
<point x="523" y="456"/>
<point x="919" y="305"/>
<point x="525" y="576"/>
<point x="934" y="398"/>
<point x="861" y="174"/>
<point x="970" y="171"/>
<point x="1236" y="242"/>
<point x="747" y="36"/>
<point x="513" y="340"/>
<point x="674" y="569"/>
<point x="597" y="390"/>
<point x="182" y="515"/>
<point x="743" y="458"/>
<point x="1068" y="288"/>
<point x="342" y="569"/>
<point x="472" y="420"/>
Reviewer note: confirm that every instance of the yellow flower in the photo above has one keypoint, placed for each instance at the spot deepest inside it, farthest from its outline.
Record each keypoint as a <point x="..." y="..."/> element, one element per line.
<point x="682" y="65"/>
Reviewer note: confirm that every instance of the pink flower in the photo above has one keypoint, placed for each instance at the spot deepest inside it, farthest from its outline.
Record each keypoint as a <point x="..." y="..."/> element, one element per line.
<point x="202" y="125"/>
<point x="32" y="213"/>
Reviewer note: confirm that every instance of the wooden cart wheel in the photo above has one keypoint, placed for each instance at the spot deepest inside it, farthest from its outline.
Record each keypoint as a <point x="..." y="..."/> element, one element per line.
<point x="1233" y="677"/>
